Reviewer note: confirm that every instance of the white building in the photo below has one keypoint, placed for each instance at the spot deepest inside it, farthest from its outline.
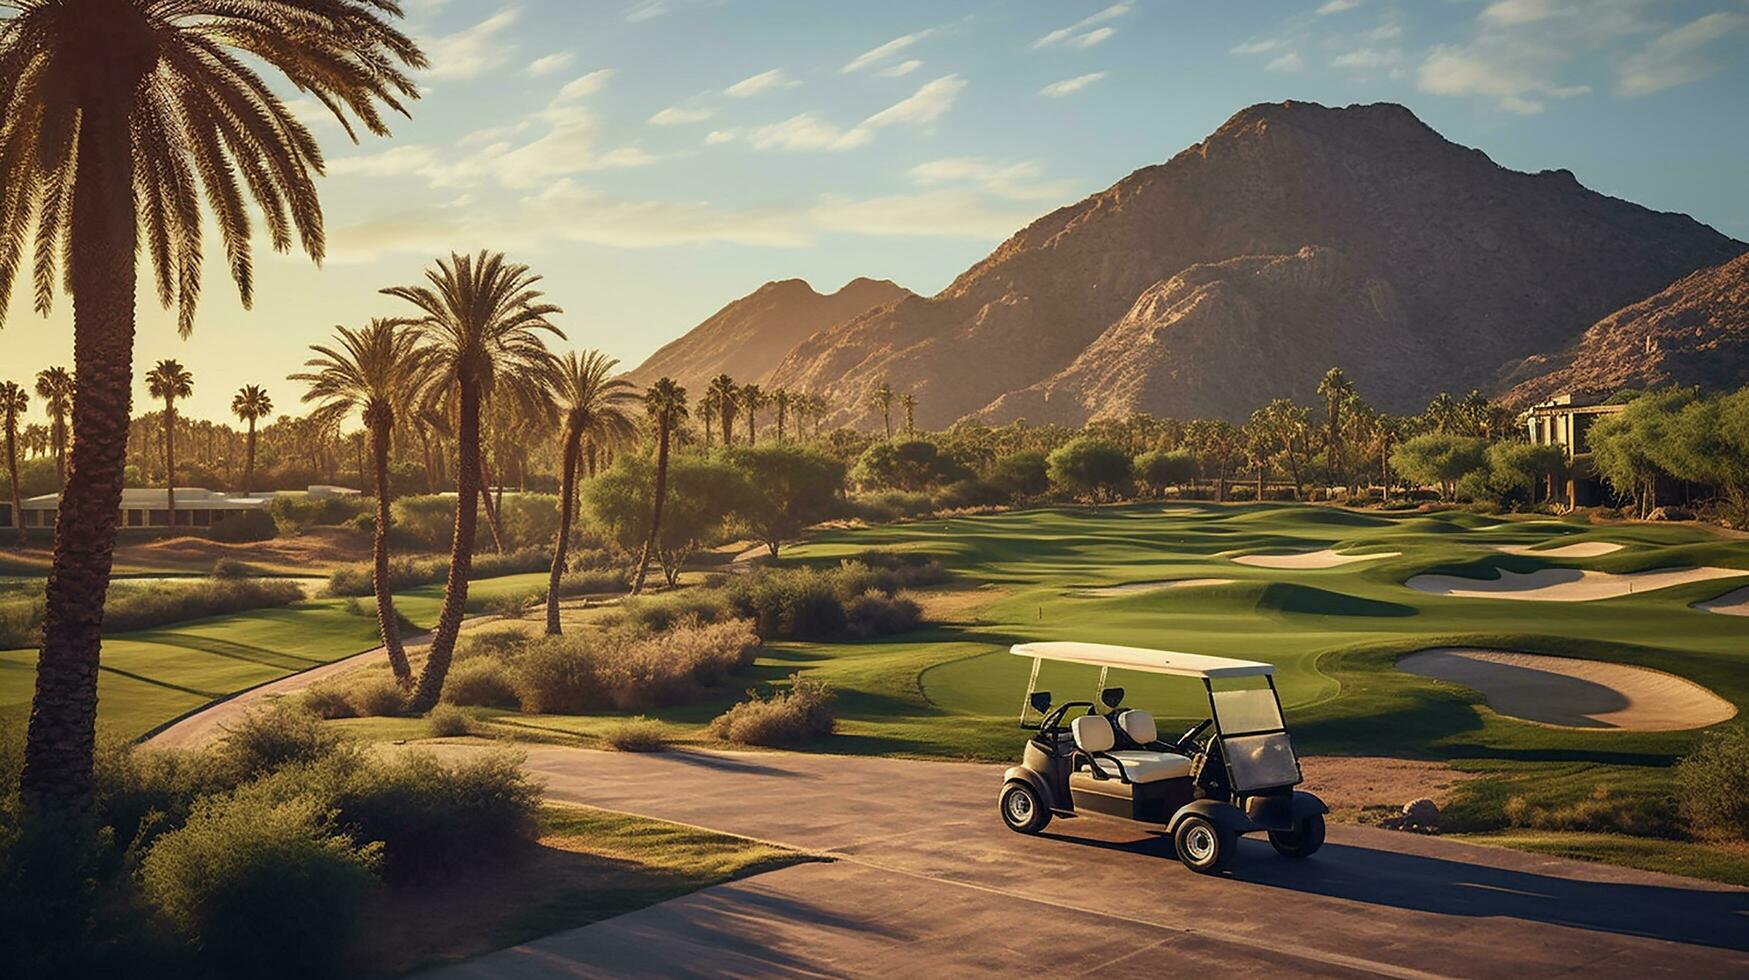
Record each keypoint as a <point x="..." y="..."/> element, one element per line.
<point x="195" y="506"/>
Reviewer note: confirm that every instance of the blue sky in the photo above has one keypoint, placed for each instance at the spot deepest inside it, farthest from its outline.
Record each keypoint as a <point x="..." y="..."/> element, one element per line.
<point x="658" y="158"/>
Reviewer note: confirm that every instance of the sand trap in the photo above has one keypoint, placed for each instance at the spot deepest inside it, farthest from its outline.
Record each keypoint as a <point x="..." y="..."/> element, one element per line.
<point x="1183" y="512"/>
<point x="1578" y="549"/>
<point x="1328" y="558"/>
<point x="1574" y="693"/>
<point x="1565" y="584"/>
<point x="1731" y="603"/>
<point x="1166" y="583"/>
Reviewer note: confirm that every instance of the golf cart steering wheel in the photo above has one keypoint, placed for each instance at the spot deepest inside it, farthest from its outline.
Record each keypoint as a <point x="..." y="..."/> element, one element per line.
<point x="1052" y="725"/>
<point x="1189" y="738"/>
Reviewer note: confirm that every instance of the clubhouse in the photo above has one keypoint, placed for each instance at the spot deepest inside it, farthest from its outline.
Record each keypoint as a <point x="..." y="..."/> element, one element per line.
<point x="150" y="508"/>
<point x="1564" y="421"/>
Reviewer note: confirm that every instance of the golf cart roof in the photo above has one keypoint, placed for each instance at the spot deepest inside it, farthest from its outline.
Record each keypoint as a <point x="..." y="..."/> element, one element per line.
<point x="1140" y="658"/>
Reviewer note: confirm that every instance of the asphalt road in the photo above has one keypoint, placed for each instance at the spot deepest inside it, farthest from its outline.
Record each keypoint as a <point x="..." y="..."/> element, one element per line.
<point x="924" y="880"/>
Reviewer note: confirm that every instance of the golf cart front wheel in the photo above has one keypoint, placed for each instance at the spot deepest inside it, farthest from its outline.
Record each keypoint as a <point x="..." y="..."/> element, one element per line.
<point x="1302" y="841"/>
<point x="1204" y="846"/>
<point x="1022" y="810"/>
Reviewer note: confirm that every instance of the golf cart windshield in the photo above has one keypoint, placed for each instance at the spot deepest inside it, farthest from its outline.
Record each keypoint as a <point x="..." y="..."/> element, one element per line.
<point x="1253" y="737"/>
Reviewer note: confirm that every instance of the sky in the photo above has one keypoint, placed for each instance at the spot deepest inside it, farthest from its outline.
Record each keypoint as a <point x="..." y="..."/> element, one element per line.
<point x="656" y="159"/>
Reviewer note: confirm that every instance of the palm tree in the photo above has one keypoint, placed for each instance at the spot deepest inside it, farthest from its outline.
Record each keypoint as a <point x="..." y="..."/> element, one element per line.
<point x="594" y="405"/>
<point x="54" y="385"/>
<point x="168" y="381"/>
<point x="665" y="402"/>
<point x="781" y="399"/>
<point x="707" y="416"/>
<point x="753" y="399"/>
<point x="13" y="402"/>
<point x="908" y="402"/>
<point x="883" y="396"/>
<point x="724" y="395"/>
<point x="481" y="318"/>
<point x="36" y="439"/>
<point x="250" y="404"/>
<point x="121" y="117"/>
<point x="374" y="371"/>
<point x="1335" y="389"/>
<point x="1444" y="413"/>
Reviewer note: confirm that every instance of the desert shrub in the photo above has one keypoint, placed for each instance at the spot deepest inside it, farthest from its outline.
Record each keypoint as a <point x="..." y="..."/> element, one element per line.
<point x="482" y="681"/>
<point x="261" y="888"/>
<point x="1713" y="784"/>
<point x="328" y="700"/>
<point x="801" y="714"/>
<point x="969" y="493"/>
<point x="874" y="614"/>
<point x="629" y="668"/>
<point x="638" y="734"/>
<point x="128" y="607"/>
<point x="593" y="581"/>
<point x="293" y="513"/>
<point x="657" y="613"/>
<point x="1603" y="811"/>
<point x="243" y="527"/>
<point x="1157" y="469"/>
<point x="377" y="694"/>
<point x="448" y="721"/>
<point x="422" y="523"/>
<point x="356" y="580"/>
<point x="230" y="568"/>
<point x="277" y="735"/>
<point x="143" y="792"/>
<point x="1091" y="467"/>
<point x="708" y="652"/>
<point x="498" y="644"/>
<point x="1019" y="475"/>
<point x="510" y="606"/>
<point x="554" y="676"/>
<point x="890" y="505"/>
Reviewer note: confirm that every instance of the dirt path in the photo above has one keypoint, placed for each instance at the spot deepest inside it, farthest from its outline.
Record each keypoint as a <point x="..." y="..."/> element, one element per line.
<point x="925" y="881"/>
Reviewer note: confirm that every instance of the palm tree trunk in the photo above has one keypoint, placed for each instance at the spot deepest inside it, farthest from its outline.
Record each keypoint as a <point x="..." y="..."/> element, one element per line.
<point x="486" y="500"/>
<point x="249" y="460"/>
<point x="60" y="437"/>
<point x="656" y="511"/>
<point x="567" y="494"/>
<point x="170" y="461"/>
<point x="387" y="622"/>
<point x="461" y="556"/>
<point x="63" y="715"/>
<point x="12" y="473"/>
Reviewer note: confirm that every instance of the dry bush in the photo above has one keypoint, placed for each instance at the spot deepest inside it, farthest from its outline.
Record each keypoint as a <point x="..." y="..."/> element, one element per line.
<point x="448" y="721"/>
<point x="630" y="669"/>
<point x="638" y="734"/>
<point x="801" y="714"/>
<point x="1713" y="782"/>
<point x="329" y="699"/>
<point x="481" y="681"/>
<point x="377" y="694"/>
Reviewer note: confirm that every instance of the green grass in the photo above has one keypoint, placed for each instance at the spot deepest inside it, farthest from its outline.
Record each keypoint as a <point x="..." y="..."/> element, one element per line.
<point x="1715" y="862"/>
<point x="588" y="865"/>
<point x="152" y="676"/>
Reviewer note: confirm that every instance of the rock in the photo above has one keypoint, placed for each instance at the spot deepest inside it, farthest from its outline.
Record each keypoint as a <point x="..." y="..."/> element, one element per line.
<point x="1418" y="816"/>
<point x="1669" y="514"/>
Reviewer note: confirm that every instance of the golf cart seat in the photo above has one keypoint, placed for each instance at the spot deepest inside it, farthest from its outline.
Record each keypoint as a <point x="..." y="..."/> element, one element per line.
<point x="1096" y="738"/>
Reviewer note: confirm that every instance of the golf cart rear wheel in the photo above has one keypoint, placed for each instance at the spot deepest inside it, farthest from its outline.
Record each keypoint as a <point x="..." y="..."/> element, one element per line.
<point x="1302" y="841"/>
<point x="1022" y="810"/>
<point x="1204" y="846"/>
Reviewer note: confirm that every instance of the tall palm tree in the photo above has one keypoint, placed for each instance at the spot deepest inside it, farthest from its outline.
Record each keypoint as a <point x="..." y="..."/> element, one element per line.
<point x="753" y="398"/>
<point x="121" y="117"/>
<point x="13" y="402"/>
<point x="665" y="403"/>
<point x="375" y="371"/>
<point x="723" y="393"/>
<point x="594" y="406"/>
<point x="1335" y="389"/>
<point x="883" y="396"/>
<point x="908" y="402"/>
<point x="250" y="404"/>
<point x="54" y="385"/>
<point x="707" y="416"/>
<point x="36" y="440"/>
<point x="482" y="318"/>
<point x="167" y="381"/>
<point x="781" y="399"/>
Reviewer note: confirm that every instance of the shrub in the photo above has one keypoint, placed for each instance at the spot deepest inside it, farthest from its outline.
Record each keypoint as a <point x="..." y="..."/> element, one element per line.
<point x="261" y="888"/>
<point x="356" y="580"/>
<point x="510" y="606"/>
<point x="890" y="505"/>
<point x="1090" y="466"/>
<point x="482" y="681"/>
<point x="378" y="694"/>
<point x="553" y="677"/>
<point x="629" y="668"/>
<point x="1713" y="784"/>
<point x="969" y="493"/>
<point x="292" y="513"/>
<point x="801" y="714"/>
<point x="873" y="614"/>
<point x="499" y="644"/>
<point x="657" y="613"/>
<point x="128" y="607"/>
<point x="328" y="700"/>
<point x="448" y="721"/>
<point x="593" y="581"/>
<point x="1157" y="469"/>
<point x="1019" y="475"/>
<point x="638" y="734"/>
<point x="1603" y="811"/>
<point x="278" y="735"/>
<point x="230" y="568"/>
<point x="142" y="793"/>
<point x="244" y="527"/>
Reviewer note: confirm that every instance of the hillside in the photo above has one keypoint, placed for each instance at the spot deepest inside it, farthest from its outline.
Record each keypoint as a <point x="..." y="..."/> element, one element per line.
<point x="748" y="337"/>
<point x="1431" y="268"/>
<point x="1694" y="333"/>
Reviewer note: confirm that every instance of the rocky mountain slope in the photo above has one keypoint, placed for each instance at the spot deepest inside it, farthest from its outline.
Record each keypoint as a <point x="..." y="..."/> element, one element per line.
<point x="748" y="337"/>
<point x="1294" y="238"/>
<point x="1695" y="332"/>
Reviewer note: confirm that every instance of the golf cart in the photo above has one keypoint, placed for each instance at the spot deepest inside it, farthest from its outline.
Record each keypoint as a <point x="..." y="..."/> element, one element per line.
<point x="1231" y="774"/>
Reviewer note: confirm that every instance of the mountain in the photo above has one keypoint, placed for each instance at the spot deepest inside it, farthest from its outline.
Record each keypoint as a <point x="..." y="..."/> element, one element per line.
<point x="1694" y="333"/>
<point x="750" y="336"/>
<point x="1294" y="238"/>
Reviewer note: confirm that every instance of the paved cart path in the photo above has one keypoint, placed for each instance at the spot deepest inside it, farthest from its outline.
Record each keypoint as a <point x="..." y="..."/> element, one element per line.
<point x="925" y="881"/>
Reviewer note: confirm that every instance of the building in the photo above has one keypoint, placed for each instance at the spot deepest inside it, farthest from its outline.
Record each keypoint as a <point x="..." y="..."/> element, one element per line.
<point x="149" y="508"/>
<point x="1565" y="421"/>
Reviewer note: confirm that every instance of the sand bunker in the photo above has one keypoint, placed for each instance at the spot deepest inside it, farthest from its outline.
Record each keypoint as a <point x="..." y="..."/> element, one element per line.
<point x="1328" y="558"/>
<point x="1578" y="549"/>
<point x="1731" y="603"/>
<point x="1183" y="512"/>
<point x="1166" y="583"/>
<point x="1565" y="584"/>
<point x="1574" y="693"/>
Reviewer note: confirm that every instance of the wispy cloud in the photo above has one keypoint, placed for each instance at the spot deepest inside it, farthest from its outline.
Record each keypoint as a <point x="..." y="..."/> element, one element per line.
<point x="882" y="52"/>
<point x="1368" y="59"/>
<point x="549" y="64"/>
<point x="1078" y="34"/>
<point x="811" y="131"/>
<point x="1259" y="47"/>
<point x="1679" y="56"/>
<point x="1337" y="7"/>
<point x="761" y="83"/>
<point x="646" y="10"/>
<point x="676" y="115"/>
<point x="472" y="52"/>
<point x="1290" y="61"/>
<point x="1069" y="86"/>
<point x="716" y="136"/>
<point x="584" y="85"/>
<point x="1021" y="181"/>
<point x="900" y="69"/>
